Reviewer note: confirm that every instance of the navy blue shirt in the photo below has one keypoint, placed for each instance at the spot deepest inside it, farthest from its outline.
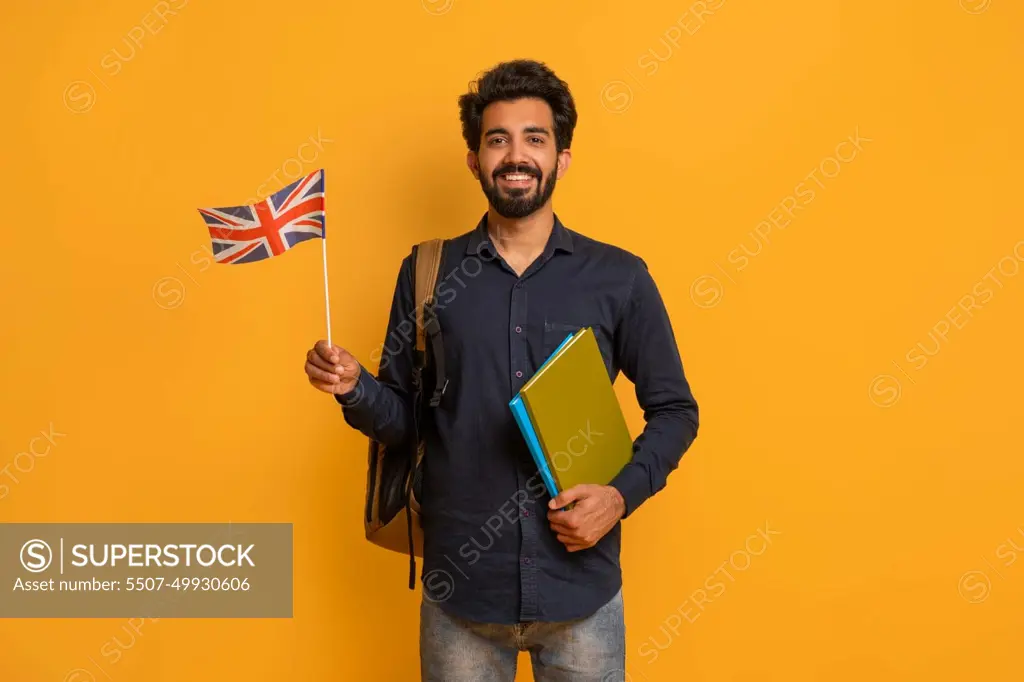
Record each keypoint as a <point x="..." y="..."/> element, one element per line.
<point x="489" y="552"/>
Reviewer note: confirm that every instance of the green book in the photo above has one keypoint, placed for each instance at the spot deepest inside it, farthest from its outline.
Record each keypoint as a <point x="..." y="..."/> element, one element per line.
<point x="576" y="415"/>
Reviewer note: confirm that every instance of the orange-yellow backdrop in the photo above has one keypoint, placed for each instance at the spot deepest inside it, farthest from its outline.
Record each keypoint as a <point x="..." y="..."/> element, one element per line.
<point x="848" y="312"/>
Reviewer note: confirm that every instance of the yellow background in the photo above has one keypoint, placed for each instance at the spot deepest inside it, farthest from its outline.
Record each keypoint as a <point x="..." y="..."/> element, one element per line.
<point x="891" y="488"/>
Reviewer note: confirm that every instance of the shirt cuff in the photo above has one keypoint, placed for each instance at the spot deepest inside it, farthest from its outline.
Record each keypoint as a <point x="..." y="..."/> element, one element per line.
<point x="364" y="390"/>
<point x="633" y="485"/>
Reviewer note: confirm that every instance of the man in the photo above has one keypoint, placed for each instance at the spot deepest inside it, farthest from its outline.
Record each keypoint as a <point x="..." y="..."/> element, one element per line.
<point x="510" y="571"/>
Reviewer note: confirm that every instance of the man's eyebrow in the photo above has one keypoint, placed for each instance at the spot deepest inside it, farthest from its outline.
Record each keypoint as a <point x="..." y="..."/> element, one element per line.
<point x="528" y="129"/>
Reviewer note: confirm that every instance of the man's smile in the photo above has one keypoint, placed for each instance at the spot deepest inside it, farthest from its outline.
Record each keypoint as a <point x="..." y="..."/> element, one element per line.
<point x="516" y="180"/>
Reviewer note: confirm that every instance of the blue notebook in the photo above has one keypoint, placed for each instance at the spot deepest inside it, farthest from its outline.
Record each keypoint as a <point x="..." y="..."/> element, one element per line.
<point x="526" y="427"/>
<point x="523" y="419"/>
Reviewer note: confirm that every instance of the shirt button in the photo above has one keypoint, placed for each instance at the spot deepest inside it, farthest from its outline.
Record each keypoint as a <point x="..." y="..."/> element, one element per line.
<point x="526" y="560"/>
<point x="519" y="375"/>
<point x="518" y="330"/>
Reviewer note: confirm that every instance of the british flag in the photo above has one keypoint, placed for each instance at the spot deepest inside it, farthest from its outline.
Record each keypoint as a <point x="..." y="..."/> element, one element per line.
<point x="243" y="234"/>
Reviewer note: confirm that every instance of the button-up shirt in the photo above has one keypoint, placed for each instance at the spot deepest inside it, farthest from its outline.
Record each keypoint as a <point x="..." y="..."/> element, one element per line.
<point x="489" y="552"/>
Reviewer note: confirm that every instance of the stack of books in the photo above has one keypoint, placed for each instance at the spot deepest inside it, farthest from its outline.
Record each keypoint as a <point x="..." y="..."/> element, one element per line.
<point x="571" y="419"/>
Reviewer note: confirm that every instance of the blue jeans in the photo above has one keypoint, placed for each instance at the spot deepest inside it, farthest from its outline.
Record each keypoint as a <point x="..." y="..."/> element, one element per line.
<point x="591" y="649"/>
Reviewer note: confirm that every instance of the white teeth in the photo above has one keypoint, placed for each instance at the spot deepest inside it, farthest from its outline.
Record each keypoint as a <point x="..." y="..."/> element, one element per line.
<point x="517" y="177"/>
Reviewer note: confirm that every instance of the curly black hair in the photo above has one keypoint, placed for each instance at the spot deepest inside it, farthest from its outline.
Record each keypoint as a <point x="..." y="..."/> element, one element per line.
<point x="514" y="80"/>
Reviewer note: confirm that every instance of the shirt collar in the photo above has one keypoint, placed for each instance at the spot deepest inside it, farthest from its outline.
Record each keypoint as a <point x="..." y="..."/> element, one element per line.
<point x="560" y="239"/>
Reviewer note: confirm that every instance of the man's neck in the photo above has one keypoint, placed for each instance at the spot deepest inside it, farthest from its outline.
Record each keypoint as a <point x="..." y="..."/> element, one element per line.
<point x="521" y="240"/>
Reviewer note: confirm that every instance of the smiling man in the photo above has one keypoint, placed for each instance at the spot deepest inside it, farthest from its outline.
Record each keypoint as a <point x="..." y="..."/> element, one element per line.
<point x="516" y="573"/>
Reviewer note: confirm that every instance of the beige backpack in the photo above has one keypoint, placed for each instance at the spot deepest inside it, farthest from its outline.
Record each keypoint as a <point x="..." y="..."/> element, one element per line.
<point x="393" y="480"/>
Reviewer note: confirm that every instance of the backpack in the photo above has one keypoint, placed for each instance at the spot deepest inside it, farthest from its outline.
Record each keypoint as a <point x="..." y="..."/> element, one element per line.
<point x="394" y="479"/>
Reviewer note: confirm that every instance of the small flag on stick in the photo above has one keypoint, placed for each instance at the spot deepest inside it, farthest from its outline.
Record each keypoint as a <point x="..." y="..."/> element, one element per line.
<point x="254" y="232"/>
<point x="244" y="234"/>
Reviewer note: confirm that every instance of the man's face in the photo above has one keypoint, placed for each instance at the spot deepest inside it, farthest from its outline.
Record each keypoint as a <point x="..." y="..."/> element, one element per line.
<point x="517" y="163"/>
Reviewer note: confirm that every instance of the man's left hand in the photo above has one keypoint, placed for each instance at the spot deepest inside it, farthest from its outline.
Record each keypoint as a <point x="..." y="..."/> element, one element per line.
<point x="598" y="508"/>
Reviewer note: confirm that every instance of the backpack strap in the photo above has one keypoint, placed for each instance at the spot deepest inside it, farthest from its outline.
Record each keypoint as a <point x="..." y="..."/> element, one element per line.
<point x="428" y="265"/>
<point x="427" y="260"/>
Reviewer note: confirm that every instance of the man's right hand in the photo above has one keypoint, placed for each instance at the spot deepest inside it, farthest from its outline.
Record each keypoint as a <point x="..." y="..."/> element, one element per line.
<point x="332" y="369"/>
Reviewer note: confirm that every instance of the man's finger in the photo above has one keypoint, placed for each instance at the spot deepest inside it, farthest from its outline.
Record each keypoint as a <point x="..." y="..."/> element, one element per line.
<point x="321" y="375"/>
<point x="325" y="387"/>
<point x="571" y="544"/>
<point x="559" y="516"/>
<point x="341" y="354"/>
<point x="577" y="492"/>
<point x="563" y="529"/>
<point x="566" y="519"/>
<point x="329" y="354"/>
<point x="314" y="359"/>
<point x="570" y="517"/>
<point x="322" y="349"/>
<point x="347" y="371"/>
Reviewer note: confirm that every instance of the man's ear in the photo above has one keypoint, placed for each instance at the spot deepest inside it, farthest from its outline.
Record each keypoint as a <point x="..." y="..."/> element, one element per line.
<point x="564" y="158"/>
<point x="473" y="163"/>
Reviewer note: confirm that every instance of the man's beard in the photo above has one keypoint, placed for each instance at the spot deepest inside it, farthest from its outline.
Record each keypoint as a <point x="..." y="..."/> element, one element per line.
<point x="518" y="203"/>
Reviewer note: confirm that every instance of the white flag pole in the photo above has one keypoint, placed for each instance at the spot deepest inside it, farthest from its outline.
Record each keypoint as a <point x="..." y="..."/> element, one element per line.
<point x="327" y="295"/>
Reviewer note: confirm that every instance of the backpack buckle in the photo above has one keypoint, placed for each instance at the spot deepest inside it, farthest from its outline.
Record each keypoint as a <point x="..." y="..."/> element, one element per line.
<point x="435" y="399"/>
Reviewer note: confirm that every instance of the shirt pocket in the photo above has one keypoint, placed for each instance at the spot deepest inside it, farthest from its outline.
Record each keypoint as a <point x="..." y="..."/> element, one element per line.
<point x="555" y="332"/>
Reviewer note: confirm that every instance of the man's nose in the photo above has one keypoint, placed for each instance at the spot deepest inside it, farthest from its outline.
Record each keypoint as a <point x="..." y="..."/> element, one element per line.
<point x="517" y="154"/>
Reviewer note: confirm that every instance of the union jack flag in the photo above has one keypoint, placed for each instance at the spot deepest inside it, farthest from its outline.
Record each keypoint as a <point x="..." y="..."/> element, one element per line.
<point x="244" y="234"/>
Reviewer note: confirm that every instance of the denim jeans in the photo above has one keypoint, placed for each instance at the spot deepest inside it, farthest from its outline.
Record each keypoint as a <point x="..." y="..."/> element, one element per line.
<point x="591" y="649"/>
